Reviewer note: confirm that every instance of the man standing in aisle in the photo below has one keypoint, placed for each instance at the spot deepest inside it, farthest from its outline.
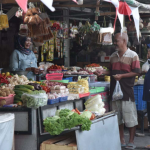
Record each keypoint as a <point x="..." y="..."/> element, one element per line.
<point x="124" y="66"/>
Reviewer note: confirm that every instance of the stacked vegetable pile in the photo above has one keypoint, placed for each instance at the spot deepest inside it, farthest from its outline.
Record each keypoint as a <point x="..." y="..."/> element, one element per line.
<point x="35" y="99"/>
<point x="93" y="65"/>
<point x="30" y="95"/>
<point x="84" y="83"/>
<point x="5" y="91"/>
<point x="19" y="90"/>
<point x="95" y="104"/>
<point x="54" y="67"/>
<point x="67" y="119"/>
<point x="18" y="80"/>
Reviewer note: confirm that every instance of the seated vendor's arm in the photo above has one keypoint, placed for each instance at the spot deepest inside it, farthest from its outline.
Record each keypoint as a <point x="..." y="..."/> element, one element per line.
<point x="135" y="70"/>
<point x="34" y="68"/>
<point x="14" y="62"/>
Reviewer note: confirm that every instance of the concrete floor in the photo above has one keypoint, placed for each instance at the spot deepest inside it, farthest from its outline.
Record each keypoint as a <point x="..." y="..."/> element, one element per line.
<point x="140" y="141"/>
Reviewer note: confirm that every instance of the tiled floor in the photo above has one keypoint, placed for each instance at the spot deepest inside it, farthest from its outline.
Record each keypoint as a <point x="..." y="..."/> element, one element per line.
<point x="140" y="142"/>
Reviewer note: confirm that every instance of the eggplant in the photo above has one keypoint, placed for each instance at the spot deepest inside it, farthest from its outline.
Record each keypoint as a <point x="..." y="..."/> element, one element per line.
<point x="36" y="86"/>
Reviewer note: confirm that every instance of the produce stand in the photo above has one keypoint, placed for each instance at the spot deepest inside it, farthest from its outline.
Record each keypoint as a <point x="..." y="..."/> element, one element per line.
<point x="102" y="135"/>
<point x="97" y="137"/>
<point x="29" y="132"/>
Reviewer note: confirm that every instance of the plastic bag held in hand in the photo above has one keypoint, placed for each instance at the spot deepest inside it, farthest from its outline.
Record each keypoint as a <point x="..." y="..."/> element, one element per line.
<point x="146" y="66"/>
<point x="118" y="94"/>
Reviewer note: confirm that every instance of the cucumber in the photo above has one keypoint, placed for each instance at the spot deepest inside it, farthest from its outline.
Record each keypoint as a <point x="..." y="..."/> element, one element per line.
<point x="25" y="90"/>
<point x="17" y="92"/>
<point x="16" y="97"/>
<point x="17" y="100"/>
<point x="30" y="87"/>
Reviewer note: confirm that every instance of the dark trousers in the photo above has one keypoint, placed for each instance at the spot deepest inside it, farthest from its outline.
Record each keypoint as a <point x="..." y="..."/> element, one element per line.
<point x="148" y="112"/>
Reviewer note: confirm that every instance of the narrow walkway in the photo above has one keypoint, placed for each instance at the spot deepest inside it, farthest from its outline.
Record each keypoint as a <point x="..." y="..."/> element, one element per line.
<point x="140" y="142"/>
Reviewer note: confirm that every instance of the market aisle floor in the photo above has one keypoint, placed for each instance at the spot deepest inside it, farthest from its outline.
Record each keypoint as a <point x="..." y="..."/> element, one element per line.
<point x="140" y="142"/>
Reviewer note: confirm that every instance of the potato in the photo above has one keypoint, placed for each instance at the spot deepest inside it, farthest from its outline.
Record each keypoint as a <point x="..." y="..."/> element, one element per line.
<point x="7" y="93"/>
<point x="12" y="92"/>
<point x="4" y="94"/>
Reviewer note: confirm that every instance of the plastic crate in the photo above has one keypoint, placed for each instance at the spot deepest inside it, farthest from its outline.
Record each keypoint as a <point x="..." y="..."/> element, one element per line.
<point x="9" y="99"/>
<point x="54" y="76"/>
<point x="104" y="96"/>
<point x="63" y="99"/>
<point x="92" y="91"/>
<point x="52" y="101"/>
<point x="69" y="78"/>
<point x="55" y="69"/>
<point x="84" y="95"/>
<point x="138" y="95"/>
<point x="100" y="89"/>
<point x="92" y="79"/>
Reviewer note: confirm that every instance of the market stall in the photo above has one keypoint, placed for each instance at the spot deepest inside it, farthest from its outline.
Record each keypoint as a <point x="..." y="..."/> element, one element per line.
<point x="71" y="99"/>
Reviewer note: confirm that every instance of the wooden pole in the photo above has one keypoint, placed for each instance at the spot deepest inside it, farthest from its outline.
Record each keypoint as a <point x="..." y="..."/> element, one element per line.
<point x="97" y="9"/>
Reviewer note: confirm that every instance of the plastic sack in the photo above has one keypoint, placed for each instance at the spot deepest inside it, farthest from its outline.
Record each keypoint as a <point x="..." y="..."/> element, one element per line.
<point x="7" y="122"/>
<point x="35" y="99"/>
<point x="118" y="94"/>
<point x="145" y="66"/>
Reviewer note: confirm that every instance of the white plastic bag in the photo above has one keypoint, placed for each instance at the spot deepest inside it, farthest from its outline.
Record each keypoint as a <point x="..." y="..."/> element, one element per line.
<point x="35" y="99"/>
<point x="145" y="66"/>
<point x="118" y="94"/>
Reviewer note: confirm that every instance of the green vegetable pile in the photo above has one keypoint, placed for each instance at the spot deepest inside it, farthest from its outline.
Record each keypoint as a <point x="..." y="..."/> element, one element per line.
<point x="65" y="119"/>
<point x="34" y="99"/>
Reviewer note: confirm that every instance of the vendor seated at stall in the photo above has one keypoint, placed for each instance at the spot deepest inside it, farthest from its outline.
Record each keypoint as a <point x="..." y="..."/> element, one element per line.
<point x="22" y="58"/>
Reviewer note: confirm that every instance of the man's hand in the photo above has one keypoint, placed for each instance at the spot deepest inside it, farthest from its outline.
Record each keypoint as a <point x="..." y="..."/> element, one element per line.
<point x="118" y="77"/>
<point x="143" y="73"/>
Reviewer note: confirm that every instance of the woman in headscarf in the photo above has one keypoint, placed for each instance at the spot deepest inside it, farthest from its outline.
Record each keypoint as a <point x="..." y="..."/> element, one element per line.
<point x="22" y="58"/>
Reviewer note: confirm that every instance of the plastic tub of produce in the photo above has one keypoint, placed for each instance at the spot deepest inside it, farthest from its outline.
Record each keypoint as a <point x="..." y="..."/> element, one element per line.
<point x="7" y="100"/>
<point x="54" y="76"/>
<point x="52" y="101"/>
<point x="63" y="99"/>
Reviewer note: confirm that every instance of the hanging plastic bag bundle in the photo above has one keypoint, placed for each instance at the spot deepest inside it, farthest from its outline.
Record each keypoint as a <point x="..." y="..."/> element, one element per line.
<point x="118" y="94"/>
<point x="3" y="21"/>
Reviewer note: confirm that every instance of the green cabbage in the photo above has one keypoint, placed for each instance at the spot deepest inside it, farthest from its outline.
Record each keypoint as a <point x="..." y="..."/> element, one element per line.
<point x="86" y="114"/>
<point x="57" y="112"/>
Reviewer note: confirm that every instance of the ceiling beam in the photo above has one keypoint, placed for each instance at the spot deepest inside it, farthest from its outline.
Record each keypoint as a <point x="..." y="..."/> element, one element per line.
<point x="13" y="1"/>
<point x="68" y="5"/>
<point x="107" y="13"/>
<point x="84" y="5"/>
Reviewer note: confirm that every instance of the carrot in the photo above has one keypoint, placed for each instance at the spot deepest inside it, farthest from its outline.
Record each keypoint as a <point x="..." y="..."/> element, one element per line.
<point x="92" y="117"/>
<point x="77" y="111"/>
<point x="74" y="111"/>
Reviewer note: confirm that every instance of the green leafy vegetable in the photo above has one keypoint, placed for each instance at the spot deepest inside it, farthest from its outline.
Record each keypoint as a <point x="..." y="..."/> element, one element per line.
<point x="64" y="112"/>
<point x="68" y="119"/>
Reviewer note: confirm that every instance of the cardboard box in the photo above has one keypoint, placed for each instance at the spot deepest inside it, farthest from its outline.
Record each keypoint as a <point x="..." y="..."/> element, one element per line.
<point x="60" y="143"/>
